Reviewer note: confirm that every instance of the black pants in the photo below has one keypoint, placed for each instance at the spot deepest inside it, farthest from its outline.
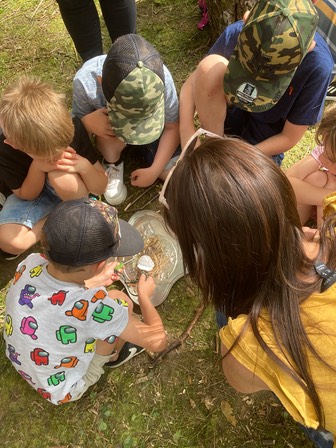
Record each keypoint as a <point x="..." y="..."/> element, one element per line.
<point x="82" y="22"/>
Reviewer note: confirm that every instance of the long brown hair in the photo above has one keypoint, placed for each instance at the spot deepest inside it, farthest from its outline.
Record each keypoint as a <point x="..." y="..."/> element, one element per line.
<point x="234" y="214"/>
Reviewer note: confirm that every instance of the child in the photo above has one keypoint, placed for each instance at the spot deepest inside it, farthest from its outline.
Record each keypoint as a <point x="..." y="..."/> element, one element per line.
<point x="128" y="97"/>
<point x="62" y="325"/>
<point x="316" y="170"/>
<point x="264" y="80"/>
<point x="37" y="163"/>
<point x="243" y="245"/>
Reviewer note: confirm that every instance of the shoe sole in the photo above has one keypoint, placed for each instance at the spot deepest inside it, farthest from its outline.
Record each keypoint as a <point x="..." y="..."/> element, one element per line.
<point x="117" y="200"/>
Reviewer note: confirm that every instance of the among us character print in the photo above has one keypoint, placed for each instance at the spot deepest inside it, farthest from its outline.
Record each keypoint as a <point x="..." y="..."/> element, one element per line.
<point x="27" y="294"/>
<point x="29" y="326"/>
<point x="58" y="297"/>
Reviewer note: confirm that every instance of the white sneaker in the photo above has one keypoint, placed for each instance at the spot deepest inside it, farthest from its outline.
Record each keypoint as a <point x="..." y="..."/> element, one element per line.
<point x="116" y="191"/>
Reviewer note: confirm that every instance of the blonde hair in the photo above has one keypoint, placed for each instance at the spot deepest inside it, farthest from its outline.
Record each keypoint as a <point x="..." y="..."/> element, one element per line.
<point x="35" y="118"/>
<point x="326" y="131"/>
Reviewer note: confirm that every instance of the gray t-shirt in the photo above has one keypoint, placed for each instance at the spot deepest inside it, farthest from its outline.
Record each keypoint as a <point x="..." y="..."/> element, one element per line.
<point x="88" y="94"/>
<point x="51" y="328"/>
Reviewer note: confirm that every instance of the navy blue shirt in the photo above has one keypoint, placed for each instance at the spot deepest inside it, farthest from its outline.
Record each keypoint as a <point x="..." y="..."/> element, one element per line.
<point x="301" y="104"/>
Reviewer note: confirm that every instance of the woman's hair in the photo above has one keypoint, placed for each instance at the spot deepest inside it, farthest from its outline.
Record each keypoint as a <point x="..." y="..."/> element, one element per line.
<point x="326" y="131"/>
<point x="234" y="214"/>
<point x="35" y="118"/>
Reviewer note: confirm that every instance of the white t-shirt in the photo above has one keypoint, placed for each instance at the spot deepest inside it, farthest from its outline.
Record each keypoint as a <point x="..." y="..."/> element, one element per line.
<point x="51" y="328"/>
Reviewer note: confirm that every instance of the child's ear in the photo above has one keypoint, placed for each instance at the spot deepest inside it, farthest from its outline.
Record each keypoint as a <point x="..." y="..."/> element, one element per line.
<point x="100" y="265"/>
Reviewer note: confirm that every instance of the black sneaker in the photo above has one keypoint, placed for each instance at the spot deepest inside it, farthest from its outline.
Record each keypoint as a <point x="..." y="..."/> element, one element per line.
<point x="127" y="352"/>
<point x="8" y="256"/>
<point x="331" y="91"/>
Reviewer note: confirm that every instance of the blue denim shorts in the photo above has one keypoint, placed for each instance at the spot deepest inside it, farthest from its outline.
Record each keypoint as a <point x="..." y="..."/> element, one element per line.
<point x="28" y="213"/>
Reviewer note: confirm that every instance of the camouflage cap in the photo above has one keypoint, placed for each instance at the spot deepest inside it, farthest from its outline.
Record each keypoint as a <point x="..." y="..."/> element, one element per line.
<point x="133" y="85"/>
<point x="275" y="38"/>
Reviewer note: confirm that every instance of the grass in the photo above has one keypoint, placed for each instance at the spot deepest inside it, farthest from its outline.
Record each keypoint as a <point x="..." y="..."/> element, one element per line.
<point x="184" y="402"/>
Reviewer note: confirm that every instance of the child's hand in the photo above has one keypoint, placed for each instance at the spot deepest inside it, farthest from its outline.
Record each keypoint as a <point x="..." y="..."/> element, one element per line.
<point x="143" y="177"/>
<point x="64" y="162"/>
<point x="106" y="276"/>
<point x="146" y="286"/>
<point x="98" y="123"/>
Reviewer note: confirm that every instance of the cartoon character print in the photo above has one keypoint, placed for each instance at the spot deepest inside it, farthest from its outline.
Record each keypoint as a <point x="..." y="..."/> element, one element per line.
<point x="58" y="297"/>
<point x="26" y="377"/>
<point x="79" y="310"/>
<point x="27" y="294"/>
<point x="99" y="295"/>
<point x="36" y="271"/>
<point x="66" y="334"/>
<point x="29" y="326"/>
<point x="121" y="302"/>
<point x="102" y="313"/>
<point x="8" y="325"/>
<point x="111" y="339"/>
<point x="18" y="273"/>
<point x="68" y="362"/>
<point x="45" y="394"/>
<point x="56" y="378"/>
<point x="13" y="354"/>
<point x="89" y="345"/>
<point x="66" y="399"/>
<point x="40" y="356"/>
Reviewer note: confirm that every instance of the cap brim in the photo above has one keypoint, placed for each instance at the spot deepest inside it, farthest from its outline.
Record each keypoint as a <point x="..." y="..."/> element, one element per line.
<point x="131" y="242"/>
<point x="249" y="93"/>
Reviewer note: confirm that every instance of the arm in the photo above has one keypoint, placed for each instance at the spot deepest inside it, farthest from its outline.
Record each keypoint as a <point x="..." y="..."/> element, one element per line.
<point x="306" y="193"/>
<point x="150" y="333"/>
<point x="168" y="143"/>
<point x="303" y="168"/>
<point x="210" y="100"/>
<point x="187" y="110"/>
<point x="238" y="376"/>
<point x="33" y="184"/>
<point x="98" y="123"/>
<point x="285" y="140"/>
<point x="92" y="179"/>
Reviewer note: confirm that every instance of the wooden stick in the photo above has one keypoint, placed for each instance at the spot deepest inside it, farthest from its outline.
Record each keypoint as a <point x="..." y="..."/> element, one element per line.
<point x="139" y="197"/>
<point x="181" y="339"/>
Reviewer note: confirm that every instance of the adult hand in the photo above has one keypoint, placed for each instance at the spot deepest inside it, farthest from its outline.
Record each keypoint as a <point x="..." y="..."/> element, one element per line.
<point x="98" y="123"/>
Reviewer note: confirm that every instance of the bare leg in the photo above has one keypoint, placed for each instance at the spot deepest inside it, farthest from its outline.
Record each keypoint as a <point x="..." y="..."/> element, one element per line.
<point x="16" y="238"/>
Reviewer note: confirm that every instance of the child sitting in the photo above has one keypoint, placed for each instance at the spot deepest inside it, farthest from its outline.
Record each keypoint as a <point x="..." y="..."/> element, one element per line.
<point x="314" y="177"/>
<point x="128" y="97"/>
<point x="62" y="325"/>
<point x="37" y="163"/>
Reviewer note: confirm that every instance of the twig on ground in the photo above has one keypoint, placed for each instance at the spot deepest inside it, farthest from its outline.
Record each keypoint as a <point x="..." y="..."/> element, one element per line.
<point x="181" y="339"/>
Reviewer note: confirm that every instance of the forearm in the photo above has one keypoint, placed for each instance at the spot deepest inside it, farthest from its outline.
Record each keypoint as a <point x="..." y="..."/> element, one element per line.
<point x="283" y="141"/>
<point x="94" y="178"/>
<point x="32" y="185"/>
<point x="307" y="194"/>
<point x="169" y="141"/>
<point x="149" y="313"/>
<point x="187" y="110"/>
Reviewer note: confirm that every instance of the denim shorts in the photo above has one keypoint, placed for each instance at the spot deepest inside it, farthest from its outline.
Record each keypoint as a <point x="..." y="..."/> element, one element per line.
<point x="28" y="213"/>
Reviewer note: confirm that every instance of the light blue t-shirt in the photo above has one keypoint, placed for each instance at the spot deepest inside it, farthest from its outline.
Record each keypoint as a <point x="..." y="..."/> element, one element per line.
<point x="88" y="95"/>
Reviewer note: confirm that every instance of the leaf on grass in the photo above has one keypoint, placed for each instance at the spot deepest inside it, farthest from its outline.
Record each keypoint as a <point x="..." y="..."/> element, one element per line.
<point x="228" y="412"/>
<point x="102" y="425"/>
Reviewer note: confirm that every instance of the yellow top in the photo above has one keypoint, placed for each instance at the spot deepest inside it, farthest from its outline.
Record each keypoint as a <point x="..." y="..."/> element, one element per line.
<point x="318" y="314"/>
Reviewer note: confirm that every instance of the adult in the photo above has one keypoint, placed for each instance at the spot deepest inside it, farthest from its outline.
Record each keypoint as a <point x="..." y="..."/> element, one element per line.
<point x="242" y="243"/>
<point x="82" y="22"/>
